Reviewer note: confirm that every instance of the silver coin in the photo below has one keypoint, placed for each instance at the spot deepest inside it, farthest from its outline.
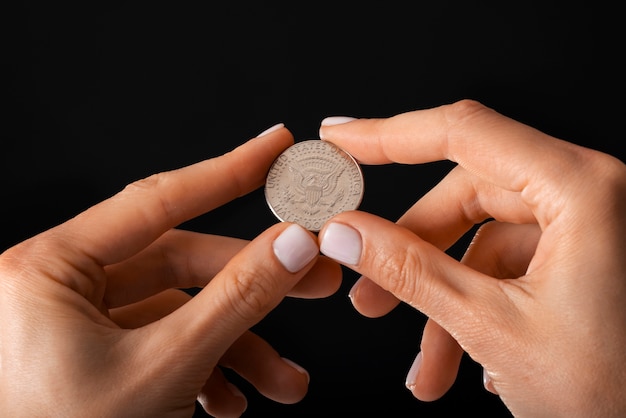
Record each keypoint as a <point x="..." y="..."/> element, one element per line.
<point x="311" y="181"/>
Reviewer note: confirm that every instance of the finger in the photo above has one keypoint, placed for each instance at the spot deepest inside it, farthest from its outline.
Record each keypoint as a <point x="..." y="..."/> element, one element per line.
<point x="371" y="300"/>
<point x="435" y="368"/>
<point x="149" y="310"/>
<point x="441" y="225"/>
<point x="447" y="294"/>
<point x="323" y="280"/>
<point x="476" y="138"/>
<point x="220" y="398"/>
<point x="500" y="250"/>
<point x="413" y="270"/>
<point x="459" y="202"/>
<point x="177" y="259"/>
<point x="250" y="356"/>
<point x="185" y="259"/>
<point x="442" y="216"/>
<point x="254" y="281"/>
<point x="465" y="132"/>
<point x="275" y="377"/>
<point x="127" y="222"/>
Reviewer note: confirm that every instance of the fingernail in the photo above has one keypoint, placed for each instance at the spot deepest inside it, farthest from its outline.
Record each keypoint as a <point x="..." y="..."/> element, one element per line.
<point x="235" y="390"/>
<point x="411" y="376"/>
<point x="295" y="248"/>
<point x="342" y="243"/>
<point x="271" y="129"/>
<point x="352" y="293"/>
<point x="238" y="394"/>
<point x="354" y="289"/>
<point x="336" y="120"/>
<point x="488" y="383"/>
<point x="298" y="368"/>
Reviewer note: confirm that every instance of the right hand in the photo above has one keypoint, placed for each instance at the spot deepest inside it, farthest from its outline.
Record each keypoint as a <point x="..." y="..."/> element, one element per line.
<point x="539" y="297"/>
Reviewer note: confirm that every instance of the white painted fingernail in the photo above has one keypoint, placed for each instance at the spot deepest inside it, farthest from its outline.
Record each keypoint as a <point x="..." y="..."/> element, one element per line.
<point x="271" y="129"/>
<point x="488" y="383"/>
<point x="295" y="248"/>
<point x="336" y="120"/>
<point x="298" y="368"/>
<point x="411" y="376"/>
<point x="342" y="243"/>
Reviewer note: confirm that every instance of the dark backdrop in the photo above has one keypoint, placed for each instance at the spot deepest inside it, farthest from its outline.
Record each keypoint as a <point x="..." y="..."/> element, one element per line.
<point x="103" y="95"/>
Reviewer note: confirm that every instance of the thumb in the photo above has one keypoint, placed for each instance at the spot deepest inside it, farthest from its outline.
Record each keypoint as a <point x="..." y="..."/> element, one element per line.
<point x="414" y="270"/>
<point x="253" y="282"/>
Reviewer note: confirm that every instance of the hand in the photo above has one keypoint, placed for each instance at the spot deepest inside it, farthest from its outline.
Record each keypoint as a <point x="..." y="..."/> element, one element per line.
<point x="538" y="298"/>
<point x="92" y="321"/>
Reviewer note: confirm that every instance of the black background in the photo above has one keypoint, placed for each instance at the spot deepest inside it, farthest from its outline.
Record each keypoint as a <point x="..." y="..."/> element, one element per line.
<point x="101" y="95"/>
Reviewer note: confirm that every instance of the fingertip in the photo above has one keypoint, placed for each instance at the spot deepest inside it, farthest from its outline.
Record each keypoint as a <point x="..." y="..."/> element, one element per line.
<point x="295" y="248"/>
<point x="220" y="398"/>
<point x="419" y="384"/>
<point x="488" y="383"/>
<point x="240" y="399"/>
<point x="271" y="129"/>
<point x="342" y="243"/>
<point x="282" y="380"/>
<point x="298" y="368"/>
<point x="323" y="280"/>
<point x="292" y="390"/>
<point x="411" y="376"/>
<point x="438" y="364"/>
<point x="370" y="300"/>
<point x="277" y="138"/>
<point x="331" y="121"/>
<point x="336" y="120"/>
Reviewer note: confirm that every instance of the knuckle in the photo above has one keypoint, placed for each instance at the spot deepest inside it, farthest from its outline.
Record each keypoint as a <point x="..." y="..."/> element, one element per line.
<point x="404" y="272"/>
<point x="614" y="175"/>
<point x="152" y="190"/>
<point x="610" y="193"/>
<point x="28" y="255"/>
<point x="12" y="261"/>
<point x="29" y="264"/>
<point x="463" y="113"/>
<point x="596" y="199"/>
<point x="460" y="118"/>
<point x="249" y="295"/>
<point x="145" y="184"/>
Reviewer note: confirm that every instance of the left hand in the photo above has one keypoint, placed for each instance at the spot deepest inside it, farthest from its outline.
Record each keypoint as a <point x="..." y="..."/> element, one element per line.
<point x="92" y="321"/>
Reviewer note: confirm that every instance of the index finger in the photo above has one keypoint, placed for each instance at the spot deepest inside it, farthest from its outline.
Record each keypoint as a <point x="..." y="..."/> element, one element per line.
<point x="496" y="148"/>
<point x="124" y="224"/>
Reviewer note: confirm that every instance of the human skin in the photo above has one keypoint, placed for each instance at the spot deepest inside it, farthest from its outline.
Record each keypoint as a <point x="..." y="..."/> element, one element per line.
<point x="538" y="297"/>
<point x="92" y="321"/>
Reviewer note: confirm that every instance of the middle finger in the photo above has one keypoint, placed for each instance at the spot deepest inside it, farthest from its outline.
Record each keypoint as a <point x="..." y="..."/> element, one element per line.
<point x="186" y="259"/>
<point x="442" y="222"/>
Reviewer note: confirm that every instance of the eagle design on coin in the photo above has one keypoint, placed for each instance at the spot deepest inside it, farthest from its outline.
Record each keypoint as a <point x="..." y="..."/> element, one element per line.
<point x="313" y="187"/>
<point x="311" y="181"/>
